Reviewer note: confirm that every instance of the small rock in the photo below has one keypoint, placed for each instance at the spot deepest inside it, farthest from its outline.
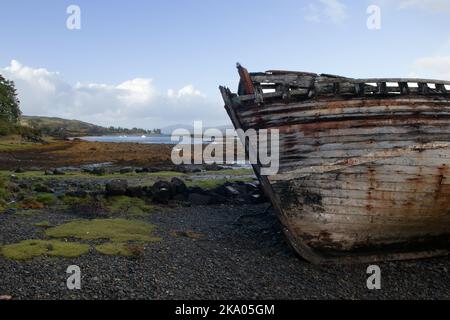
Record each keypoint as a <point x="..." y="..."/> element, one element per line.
<point x="58" y="172"/>
<point x="10" y="211"/>
<point x="137" y="192"/>
<point x="49" y="172"/>
<point x="232" y="191"/>
<point x="162" y="192"/>
<point x="13" y="187"/>
<point x="117" y="187"/>
<point x="178" y="186"/>
<point x="126" y="170"/>
<point x="213" y="167"/>
<point x="77" y="193"/>
<point x="24" y="185"/>
<point x="98" y="171"/>
<point x="43" y="188"/>
<point x="19" y="170"/>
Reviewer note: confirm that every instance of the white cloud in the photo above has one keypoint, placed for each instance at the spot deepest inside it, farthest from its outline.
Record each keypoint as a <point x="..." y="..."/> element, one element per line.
<point x="187" y="91"/>
<point x="432" y="67"/>
<point x="135" y="102"/>
<point x="430" y="5"/>
<point x="330" y="10"/>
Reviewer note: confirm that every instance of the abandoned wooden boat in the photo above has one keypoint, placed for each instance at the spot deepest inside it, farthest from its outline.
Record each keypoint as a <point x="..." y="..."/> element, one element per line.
<point x="364" y="163"/>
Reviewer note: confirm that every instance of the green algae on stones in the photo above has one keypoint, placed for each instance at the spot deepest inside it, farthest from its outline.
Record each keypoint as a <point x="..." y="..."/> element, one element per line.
<point x="29" y="249"/>
<point x="43" y="224"/>
<point x="120" y="249"/>
<point x="116" y="230"/>
<point x="129" y="206"/>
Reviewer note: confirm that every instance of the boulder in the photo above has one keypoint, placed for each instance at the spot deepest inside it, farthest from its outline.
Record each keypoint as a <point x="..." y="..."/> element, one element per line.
<point x="99" y="171"/>
<point x="137" y="191"/>
<point x="43" y="188"/>
<point x="58" y="172"/>
<point x="218" y="199"/>
<point x="162" y="192"/>
<point x="213" y="167"/>
<point x="178" y="186"/>
<point x="117" y="187"/>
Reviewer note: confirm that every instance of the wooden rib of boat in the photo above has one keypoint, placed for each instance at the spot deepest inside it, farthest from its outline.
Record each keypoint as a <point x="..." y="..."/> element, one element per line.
<point x="364" y="163"/>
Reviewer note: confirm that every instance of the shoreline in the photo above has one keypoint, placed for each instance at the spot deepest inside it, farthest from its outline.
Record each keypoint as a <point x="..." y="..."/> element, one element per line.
<point x="76" y="153"/>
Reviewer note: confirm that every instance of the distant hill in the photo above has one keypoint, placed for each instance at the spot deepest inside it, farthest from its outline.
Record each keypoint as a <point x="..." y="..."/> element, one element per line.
<point x="57" y="125"/>
<point x="74" y="128"/>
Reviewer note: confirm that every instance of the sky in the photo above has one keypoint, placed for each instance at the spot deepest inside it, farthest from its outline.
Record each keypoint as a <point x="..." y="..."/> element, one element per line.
<point x="150" y="64"/>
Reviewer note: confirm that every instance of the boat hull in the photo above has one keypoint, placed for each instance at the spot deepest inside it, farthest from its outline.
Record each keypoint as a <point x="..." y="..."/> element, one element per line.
<point x="361" y="179"/>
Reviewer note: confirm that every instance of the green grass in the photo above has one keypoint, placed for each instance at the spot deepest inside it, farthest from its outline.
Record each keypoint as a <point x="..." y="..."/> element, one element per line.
<point x="230" y="172"/>
<point x="43" y="224"/>
<point x="4" y="194"/>
<point x="70" y="200"/>
<point x="118" y="205"/>
<point x="29" y="249"/>
<point x="214" y="183"/>
<point x="120" y="249"/>
<point x="116" y="230"/>
<point x="86" y="175"/>
<point x="14" y="142"/>
<point x="129" y="206"/>
<point x="28" y="213"/>
<point x="46" y="198"/>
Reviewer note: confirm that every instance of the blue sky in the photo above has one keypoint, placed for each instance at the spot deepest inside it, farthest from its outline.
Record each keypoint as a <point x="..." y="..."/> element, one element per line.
<point x="156" y="63"/>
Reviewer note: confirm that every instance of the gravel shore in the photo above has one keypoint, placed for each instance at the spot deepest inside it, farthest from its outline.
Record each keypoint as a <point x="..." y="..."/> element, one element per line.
<point x="241" y="255"/>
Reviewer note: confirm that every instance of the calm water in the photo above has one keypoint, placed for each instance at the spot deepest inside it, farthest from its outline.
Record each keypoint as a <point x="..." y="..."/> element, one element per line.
<point x="139" y="139"/>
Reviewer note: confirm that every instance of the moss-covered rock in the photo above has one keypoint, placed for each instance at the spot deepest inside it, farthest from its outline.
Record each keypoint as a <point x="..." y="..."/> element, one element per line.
<point x="29" y="249"/>
<point x="120" y="249"/>
<point x="116" y="230"/>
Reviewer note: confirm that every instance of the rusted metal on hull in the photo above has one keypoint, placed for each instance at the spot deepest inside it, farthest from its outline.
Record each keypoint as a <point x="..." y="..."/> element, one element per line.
<point x="364" y="169"/>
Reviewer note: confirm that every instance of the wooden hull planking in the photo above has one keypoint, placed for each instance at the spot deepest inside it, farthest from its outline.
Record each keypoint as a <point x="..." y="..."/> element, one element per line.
<point x="362" y="178"/>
